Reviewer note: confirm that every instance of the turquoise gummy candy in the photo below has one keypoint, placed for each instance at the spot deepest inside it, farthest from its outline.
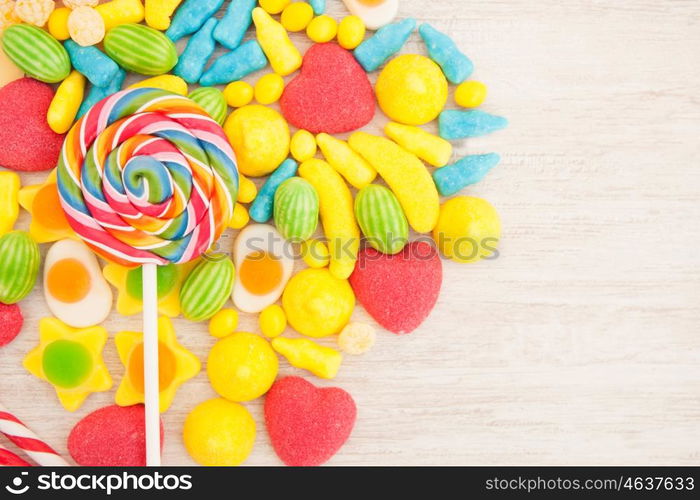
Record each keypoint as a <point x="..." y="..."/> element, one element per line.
<point x="96" y="93"/>
<point x="97" y="66"/>
<point x="456" y="124"/>
<point x="200" y="47"/>
<point x="262" y="207"/>
<point x="319" y="6"/>
<point x="191" y="16"/>
<point x="444" y="51"/>
<point x="233" y="66"/>
<point x="469" y="170"/>
<point x="386" y="42"/>
<point x="66" y="364"/>
<point x="232" y="27"/>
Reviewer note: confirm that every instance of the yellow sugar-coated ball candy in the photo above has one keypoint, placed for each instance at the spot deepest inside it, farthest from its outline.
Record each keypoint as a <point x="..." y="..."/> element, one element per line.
<point x="58" y="23"/>
<point x="240" y="218"/>
<point x="242" y="366"/>
<point x="318" y="304"/>
<point x="470" y="94"/>
<point x="269" y="88"/>
<point x="247" y="190"/>
<point x="357" y="338"/>
<point x="351" y="32"/>
<point x="219" y="432"/>
<point x="297" y="16"/>
<point x="468" y="229"/>
<point x="223" y="323"/>
<point x="315" y="254"/>
<point x="238" y="94"/>
<point x="412" y="90"/>
<point x="303" y="145"/>
<point x="274" y="6"/>
<point x="322" y="29"/>
<point x="273" y="321"/>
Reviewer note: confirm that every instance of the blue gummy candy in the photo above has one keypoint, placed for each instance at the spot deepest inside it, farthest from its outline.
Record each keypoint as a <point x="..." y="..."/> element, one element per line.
<point x="262" y="207"/>
<point x="191" y="16"/>
<point x="96" y="94"/>
<point x="469" y="170"/>
<point x="386" y="42"/>
<point x="200" y="47"/>
<point x="97" y="66"/>
<point x="443" y="50"/>
<point x="319" y="6"/>
<point x="233" y="66"/>
<point x="455" y="124"/>
<point x="232" y="27"/>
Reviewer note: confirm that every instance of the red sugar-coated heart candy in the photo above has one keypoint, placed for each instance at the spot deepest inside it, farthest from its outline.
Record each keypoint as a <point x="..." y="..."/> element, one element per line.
<point x="398" y="291"/>
<point x="27" y="143"/>
<point x="11" y="321"/>
<point x="332" y="94"/>
<point x="307" y="424"/>
<point x="111" y="436"/>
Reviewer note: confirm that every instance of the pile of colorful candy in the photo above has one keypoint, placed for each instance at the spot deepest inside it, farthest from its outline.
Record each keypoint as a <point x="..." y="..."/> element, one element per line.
<point x="144" y="176"/>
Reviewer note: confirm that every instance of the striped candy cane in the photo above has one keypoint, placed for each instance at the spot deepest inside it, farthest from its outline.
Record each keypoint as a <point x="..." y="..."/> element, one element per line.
<point x="27" y="441"/>
<point x="9" y="459"/>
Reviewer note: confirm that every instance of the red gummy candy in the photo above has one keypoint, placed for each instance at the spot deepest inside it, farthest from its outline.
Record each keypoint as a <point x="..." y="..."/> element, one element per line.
<point x="111" y="436"/>
<point x="11" y="321"/>
<point x="332" y="94"/>
<point x="27" y="143"/>
<point x="398" y="291"/>
<point x="307" y="425"/>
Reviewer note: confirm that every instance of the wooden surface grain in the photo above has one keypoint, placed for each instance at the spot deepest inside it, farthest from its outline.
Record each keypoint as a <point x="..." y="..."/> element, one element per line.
<point x="580" y="344"/>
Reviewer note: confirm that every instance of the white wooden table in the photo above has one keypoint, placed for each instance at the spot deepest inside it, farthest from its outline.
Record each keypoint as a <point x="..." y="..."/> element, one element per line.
<point x="580" y="344"/>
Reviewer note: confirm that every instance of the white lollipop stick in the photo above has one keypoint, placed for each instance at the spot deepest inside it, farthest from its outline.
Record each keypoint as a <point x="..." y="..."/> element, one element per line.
<point x="150" y="364"/>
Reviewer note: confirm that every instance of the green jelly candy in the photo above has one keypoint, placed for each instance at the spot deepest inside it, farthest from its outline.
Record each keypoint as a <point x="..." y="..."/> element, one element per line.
<point x="36" y="52"/>
<point x="167" y="279"/>
<point x="296" y="209"/>
<point x="213" y="102"/>
<point x="19" y="266"/>
<point x="207" y="288"/>
<point x="141" y="49"/>
<point x="66" y="363"/>
<point x="381" y="219"/>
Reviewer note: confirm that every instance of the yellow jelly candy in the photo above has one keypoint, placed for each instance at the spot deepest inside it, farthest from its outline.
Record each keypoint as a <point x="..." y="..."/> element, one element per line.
<point x="357" y="338"/>
<point x="9" y="206"/>
<point x="284" y="57"/>
<point x="247" y="190"/>
<point x="269" y="88"/>
<point x="324" y="362"/>
<point x="223" y="323"/>
<point x="322" y="29"/>
<point x="273" y="321"/>
<point x="240" y="217"/>
<point x="66" y="102"/>
<point x="58" y="23"/>
<point x="34" y="12"/>
<point x="303" y="145"/>
<point x="219" y="432"/>
<point x="238" y="94"/>
<point x="274" y="6"/>
<point x="412" y="89"/>
<point x="119" y="12"/>
<point x="86" y="26"/>
<point x="345" y="161"/>
<point x="260" y="138"/>
<point x="49" y="222"/>
<point x="242" y="366"/>
<point x="468" y="229"/>
<point x="428" y="147"/>
<point x="351" y="32"/>
<point x="172" y="83"/>
<point x="317" y="303"/>
<point x="297" y="16"/>
<point x="315" y="254"/>
<point x="470" y="94"/>
<point x="158" y="13"/>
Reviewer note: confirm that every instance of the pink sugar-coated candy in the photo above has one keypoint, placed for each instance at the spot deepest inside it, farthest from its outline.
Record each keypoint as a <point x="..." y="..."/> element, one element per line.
<point x="332" y="94"/>
<point x="307" y="425"/>
<point x="111" y="436"/>
<point x="11" y="321"/>
<point x="398" y="291"/>
<point x="27" y="143"/>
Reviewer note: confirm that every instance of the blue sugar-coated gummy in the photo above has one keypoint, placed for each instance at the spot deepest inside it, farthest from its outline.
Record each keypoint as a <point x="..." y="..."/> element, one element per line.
<point x="454" y="124"/>
<point x="319" y="6"/>
<point x="465" y="172"/>
<point x="200" y="47"/>
<point x="232" y="27"/>
<point x="191" y="16"/>
<point x="96" y="94"/>
<point x="235" y="65"/>
<point x="263" y="205"/>
<point x="97" y="66"/>
<point x="443" y="50"/>
<point x="386" y="42"/>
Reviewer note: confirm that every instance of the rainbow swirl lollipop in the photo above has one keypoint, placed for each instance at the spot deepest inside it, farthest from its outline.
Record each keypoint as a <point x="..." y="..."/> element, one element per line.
<point x="147" y="177"/>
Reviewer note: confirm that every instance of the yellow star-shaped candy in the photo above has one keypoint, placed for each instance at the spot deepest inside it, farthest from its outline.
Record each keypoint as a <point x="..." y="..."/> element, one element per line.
<point x="128" y="282"/>
<point x="70" y="359"/>
<point x="175" y="364"/>
<point x="49" y="223"/>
